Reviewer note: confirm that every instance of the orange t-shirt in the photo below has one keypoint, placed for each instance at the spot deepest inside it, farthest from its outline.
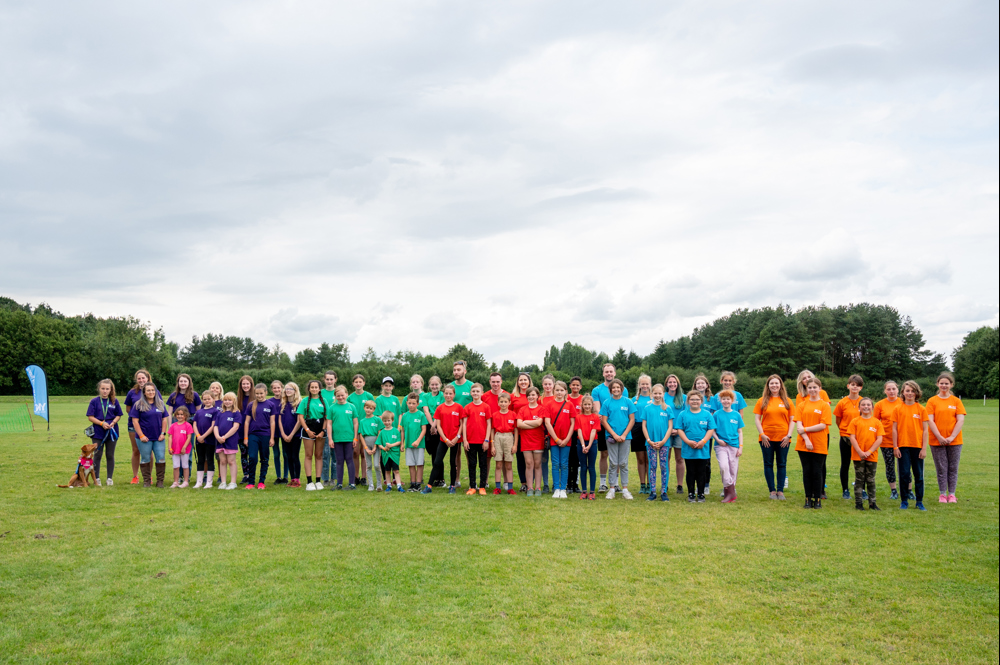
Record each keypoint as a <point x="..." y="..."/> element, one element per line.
<point x="865" y="431"/>
<point x="811" y="413"/>
<point x="909" y="419"/>
<point x="803" y="397"/>
<point x="846" y="411"/>
<point x="946" y="412"/>
<point x="883" y="411"/>
<point x="774" y="419"/>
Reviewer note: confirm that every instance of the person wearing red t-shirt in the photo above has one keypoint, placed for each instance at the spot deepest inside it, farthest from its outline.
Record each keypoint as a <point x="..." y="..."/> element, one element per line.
<point x="559" y="419"/>
<point x="504" y="443"/>
<point x="574" y="398"/>
<point x="531" y="420"/>
<point x="518" y="401"/>
<point x="588" y="424"/>
<point x="476" y="438"/>
<point x="448" y="417"/>
<point x="492" y="396"/>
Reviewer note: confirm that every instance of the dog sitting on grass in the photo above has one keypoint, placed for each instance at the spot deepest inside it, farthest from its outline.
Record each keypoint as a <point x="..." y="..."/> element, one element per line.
<point x="84" y="467"/>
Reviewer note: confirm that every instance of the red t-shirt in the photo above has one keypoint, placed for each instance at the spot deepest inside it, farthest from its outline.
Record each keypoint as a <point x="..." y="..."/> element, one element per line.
<point x="587" y="424"/>
<point x="476" y="417"/>
<point x="575" y="401"/>
<point x="518" y="402"/>
<point x="532" y="439"/>
<point x="451" y="418"/>
<point x="561" y="416"/>
<point x="504" y="423"/>
<point x="493" y="400"/>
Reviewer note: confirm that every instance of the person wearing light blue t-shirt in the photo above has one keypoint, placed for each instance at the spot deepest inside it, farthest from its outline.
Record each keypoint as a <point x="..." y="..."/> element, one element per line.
<point x="674" y="397"/>
<point x="656" y="420"/>
<point x="602" y="393"/>
<point x="704" y="388"/>
<point x="618" y="419"/>
<point x="643" y="397"/>
<point x="696" y="427"/>
<point x="729" y="438"/>
<point x="728" y="381"/>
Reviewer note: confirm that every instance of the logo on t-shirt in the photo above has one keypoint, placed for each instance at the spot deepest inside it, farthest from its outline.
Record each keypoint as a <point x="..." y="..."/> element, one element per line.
<point x="872" y="429"/>
<point x="952" y="407"/>
<point x="817" y="411"/>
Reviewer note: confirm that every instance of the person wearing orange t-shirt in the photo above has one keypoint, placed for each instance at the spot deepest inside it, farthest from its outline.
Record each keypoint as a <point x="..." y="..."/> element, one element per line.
<point x="773" y="415"/>
<point x="476" y="431"/>
<point x="813" y="419"/>
<point x="866" y="433"/>
<point x="883" y="411"/>
<point x="945" y="417"/>
<point x="846" y="411"/>
<point x="801" y="396"/>
<point x="909" y="441"/>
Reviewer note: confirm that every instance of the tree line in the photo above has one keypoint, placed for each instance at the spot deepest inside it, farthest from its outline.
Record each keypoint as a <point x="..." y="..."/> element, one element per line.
<point x="872" y="340"/>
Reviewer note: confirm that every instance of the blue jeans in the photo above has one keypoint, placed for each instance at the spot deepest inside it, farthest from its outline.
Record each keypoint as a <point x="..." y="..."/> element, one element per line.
<point x="157" y="448"/>
<point x="560" y="466"/>
<point x="258" y="448"/>
<point x="588" y="465"/>
<point x="279" y="452"/>
<point x="775" y="451"/>
<point x="328" y="460"/>
<point x="910" y="464"/>
<point x="659" y="457"/>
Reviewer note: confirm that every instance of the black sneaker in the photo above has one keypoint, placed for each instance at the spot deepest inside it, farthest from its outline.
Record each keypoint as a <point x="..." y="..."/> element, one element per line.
<point x="808" y="503"/>
<point x="691" y="498"/>
<point x="701" y="498"/>
<point x="858" y="505"/>
<point x="524" y="489"/>
<point x="819" y="504"/>
<point x="680" y="489"/>
<point x="822" y="496"/>
<point x="545" y="489"/>
<point x="351" y="487"/>
<point x="847" y="494"/>
<point x="873" y="506"/>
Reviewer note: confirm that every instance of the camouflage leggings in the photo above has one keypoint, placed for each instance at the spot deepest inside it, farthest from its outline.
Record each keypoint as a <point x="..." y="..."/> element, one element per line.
<point x="864" y="479"/>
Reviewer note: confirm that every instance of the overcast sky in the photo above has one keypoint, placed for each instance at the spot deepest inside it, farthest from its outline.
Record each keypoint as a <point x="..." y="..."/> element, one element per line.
<point x="507" y="175"/>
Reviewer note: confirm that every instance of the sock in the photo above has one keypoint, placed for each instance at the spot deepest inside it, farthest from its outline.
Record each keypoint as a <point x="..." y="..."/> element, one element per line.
<point x="496" y="485"/>
<point x="309" y="479"/>
<point x="604" y="479"/>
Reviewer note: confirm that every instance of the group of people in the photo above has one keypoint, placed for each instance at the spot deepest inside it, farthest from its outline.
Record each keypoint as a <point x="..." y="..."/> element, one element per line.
<point x="531" y="429"/>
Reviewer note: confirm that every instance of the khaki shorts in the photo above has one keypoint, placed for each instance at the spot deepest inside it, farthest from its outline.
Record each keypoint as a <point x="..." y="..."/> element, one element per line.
<point x="503" y="442"/>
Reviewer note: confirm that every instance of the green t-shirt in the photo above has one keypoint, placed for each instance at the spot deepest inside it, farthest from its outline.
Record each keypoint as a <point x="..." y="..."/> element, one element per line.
<point x="432" y="402"/>
<point x="317" y="408"/>
<point x="388" y="437"/>
<point x="370" y="426"/>
<point x="359" y="400"/>
<point x="391" y="404"/>
<point x="342" y="417"/>
<point x="463" y="393"/>
<point x="329" y="396"/>
<point x="412" y="424"/>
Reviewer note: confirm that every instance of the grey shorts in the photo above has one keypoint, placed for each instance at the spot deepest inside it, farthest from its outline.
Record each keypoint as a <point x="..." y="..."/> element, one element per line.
<point x="414" y="457"/>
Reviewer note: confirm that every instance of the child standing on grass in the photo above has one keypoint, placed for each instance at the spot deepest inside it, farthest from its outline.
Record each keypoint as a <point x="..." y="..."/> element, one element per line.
<point x="813" y="419"/>
<point x="530" y="422"/>
<point x="504" y="444"/>
<point x="227" y="433"/>
<point x="618" y="419"/>
<point x="866" y="434"/>
<point x="704" y="388"/>
<point x="204" y="439"/>
<point x="448" y="418"/>
<point x="342" y="432"/>
<point x="180" y="434"/>
<point x="258" y="436"/>
<point x="588" y="424"/>
<point x="641" y="400"/>
<point x="677" y="401"/>
<point x="368" y="430"/>
<point x="104" y="412"/>
<point x="883" y="411"/>
<point x="476" y="432"/>
<point x="358" y="398"/>
<point x="945" y="418"/>
<point x="290" y="431"/>
<point x="389" y="442"/>
<point x="909" y="437"/>
<point x="846" y="411"/>
<point x="696" y="427"/>
<point x="657" y="418"/>
<point x="429" y="402"/>
<point x="414" y="426"/>
<point x="729" y="442"/>
<point x="559" y="421"/>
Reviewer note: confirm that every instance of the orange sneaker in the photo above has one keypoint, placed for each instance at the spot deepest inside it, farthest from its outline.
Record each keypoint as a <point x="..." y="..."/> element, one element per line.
<point x="482" y="491"/>
<point x="135" y="480"/>
<point x="470" y="492"/>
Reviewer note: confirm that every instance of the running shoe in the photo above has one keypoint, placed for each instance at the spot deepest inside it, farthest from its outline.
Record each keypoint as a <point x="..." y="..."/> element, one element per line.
<point x="610" y="494"/>
<point x="426" y="490"/>
<point x="135" y="480"/>
<point x="496" y="491"/>
<point x="261" y="486"/>
<point x="626" y="494"/>
<point x="951" y="497"/>
<point x="482" y="491"/>
<point x="943" y="498"/>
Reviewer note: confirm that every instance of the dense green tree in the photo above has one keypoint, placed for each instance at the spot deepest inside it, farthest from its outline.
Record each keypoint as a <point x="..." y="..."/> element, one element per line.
<point x="976" y="363"/>
<point x="51" y="343"/>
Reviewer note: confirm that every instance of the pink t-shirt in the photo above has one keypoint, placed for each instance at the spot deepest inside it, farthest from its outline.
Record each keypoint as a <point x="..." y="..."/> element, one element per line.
<point x="180" y="438"/>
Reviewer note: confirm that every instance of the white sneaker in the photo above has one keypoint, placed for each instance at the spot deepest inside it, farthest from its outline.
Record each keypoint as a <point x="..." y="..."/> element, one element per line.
<point x="371" y="488"/>
<point x="611" y="493"/>
<point x="231" y="486"/>
<point x="626" y="494"/>
<point x="110" y="482"/>
<point x="311" y="487"/>
<point x="786" y="482"/>
<point x="175" y="485"/>
<point x="708" y="490"/>
<point x="98" y="481"/>
<point x="563" y="494"/>
<point x="555" y="495"/>
<point x="319" y="485"/>
<point x="222" y="484"/>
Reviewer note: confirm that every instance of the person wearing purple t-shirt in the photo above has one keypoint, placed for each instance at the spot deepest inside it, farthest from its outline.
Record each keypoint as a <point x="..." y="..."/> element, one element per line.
<point x="290" y="430"/>
<point x="204" y="439"/>
<point x="142" y="377"/>
<point x="258" y="435"/>
<point x="280" y="462"/>
<point x="104" y="412"/>
<point x="150" y="421"/>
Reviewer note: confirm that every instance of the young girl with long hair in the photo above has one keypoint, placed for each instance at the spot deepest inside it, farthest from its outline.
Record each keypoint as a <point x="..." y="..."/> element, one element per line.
<point x="204" y="439"/>
<point x="312" y="423"/>
<point x="228" y="423"/>
<point x="883" y="411"/>
<point x="278" y="450"/>
<point x="530" y="423"/>
<point x="588" y="424"/>
<point x="560" y="421"/>
<point x="618" y="420"/>
<point x="909" y="439"/>
<point x="773" y="415"/>
<point x="704" y="388"/>
<point x="801" y="396"/>
<point x="244" y="397"/>
<point x="642" y="398"/>
<point x="448" y="417"/>
<point x="696" y="426"/>
<point x="813" y="419"/>
<point x="656" y="424"/>
<point x="342" y="432"/>
<point x="675" y="399"/>
<point x="259" y="435"/>
<point x="519" y="400"/>
<point x="429" y="402"/>
<point x="104" y="412"/>
<point x="183" y="395"/>
<point x="290" y="430"/>
<point x="945" y="418"/>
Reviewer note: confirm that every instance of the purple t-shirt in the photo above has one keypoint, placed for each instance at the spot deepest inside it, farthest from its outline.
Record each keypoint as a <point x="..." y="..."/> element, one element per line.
<point x="106" y="410"/>
<point x="151" y="421"/>
<point x="288" y="418"/>
<point x="261" y="423"/>
<point x="204" y="420"/>
<point x="134" y="396"/>
<point x="224" y="422"/>
<point x="177" y="400"/>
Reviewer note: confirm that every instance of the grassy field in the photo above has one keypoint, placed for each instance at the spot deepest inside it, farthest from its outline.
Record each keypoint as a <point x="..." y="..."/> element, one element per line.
<point x="122" y="574"/>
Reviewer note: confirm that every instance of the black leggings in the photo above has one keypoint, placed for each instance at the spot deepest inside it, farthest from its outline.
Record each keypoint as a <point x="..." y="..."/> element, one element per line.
<point x="106" y="446"/>
<point x="437" y="472"/>
<point x="520" y="466"/>
<point x="845" y="461"/>
<point x="695" y="470"/>
<point x="475" y="454"/>
<point x="245" y="460"/>
<point x="206" y="454"/>
<point x="292" y="457"/>
<point x="812" y="473"/>
<point x="574" y="467"/>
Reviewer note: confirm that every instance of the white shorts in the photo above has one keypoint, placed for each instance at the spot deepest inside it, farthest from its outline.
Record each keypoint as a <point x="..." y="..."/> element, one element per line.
<point x="182" y="461"/>
<point x="414" y="457"/>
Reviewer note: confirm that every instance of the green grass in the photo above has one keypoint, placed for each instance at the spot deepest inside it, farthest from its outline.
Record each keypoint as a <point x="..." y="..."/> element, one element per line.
<point x="124" y="574"/>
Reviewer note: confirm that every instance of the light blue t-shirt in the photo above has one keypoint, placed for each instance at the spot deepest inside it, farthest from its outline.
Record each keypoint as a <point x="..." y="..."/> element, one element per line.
<point x="695" y="426"/>
<point x="657" y="421"/>
<point x="602" y="394"/>
<point x="669" y="399"/>
<point x="728" y="426"/>
<point x="617" y="412"/>
<point x="640" y="402"/>
<point x="715" y="404"/>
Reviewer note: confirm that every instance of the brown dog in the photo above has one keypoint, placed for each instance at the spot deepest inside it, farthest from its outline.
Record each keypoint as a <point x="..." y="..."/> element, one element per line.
<point x="84" y="467"/>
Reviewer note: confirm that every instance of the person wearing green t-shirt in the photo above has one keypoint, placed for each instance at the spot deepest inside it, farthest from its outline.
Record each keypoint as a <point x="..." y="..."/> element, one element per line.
<point x="388" y="402"/>
<point x="312" y="413"/>
<point x="358" y="399"/>
<point x="463" y="396"/>
<point x="342" y="431"/>
<point x="329" y="397"/>
<point x="368" y="430"/>
<point x="414" y="425"/>
<point x="389" y="441"/>
<point x="429" y="402"/>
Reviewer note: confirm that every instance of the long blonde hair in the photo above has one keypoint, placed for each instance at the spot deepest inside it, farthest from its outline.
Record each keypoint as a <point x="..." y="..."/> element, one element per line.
<point x="296" y="396"/>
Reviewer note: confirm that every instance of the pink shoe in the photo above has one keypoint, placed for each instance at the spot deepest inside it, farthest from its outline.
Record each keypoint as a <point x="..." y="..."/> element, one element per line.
<point x="943" y="498"/>
<point x="248" y="487"/>
<point x="952" y="499"/>
<point x="260" y="486"/>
